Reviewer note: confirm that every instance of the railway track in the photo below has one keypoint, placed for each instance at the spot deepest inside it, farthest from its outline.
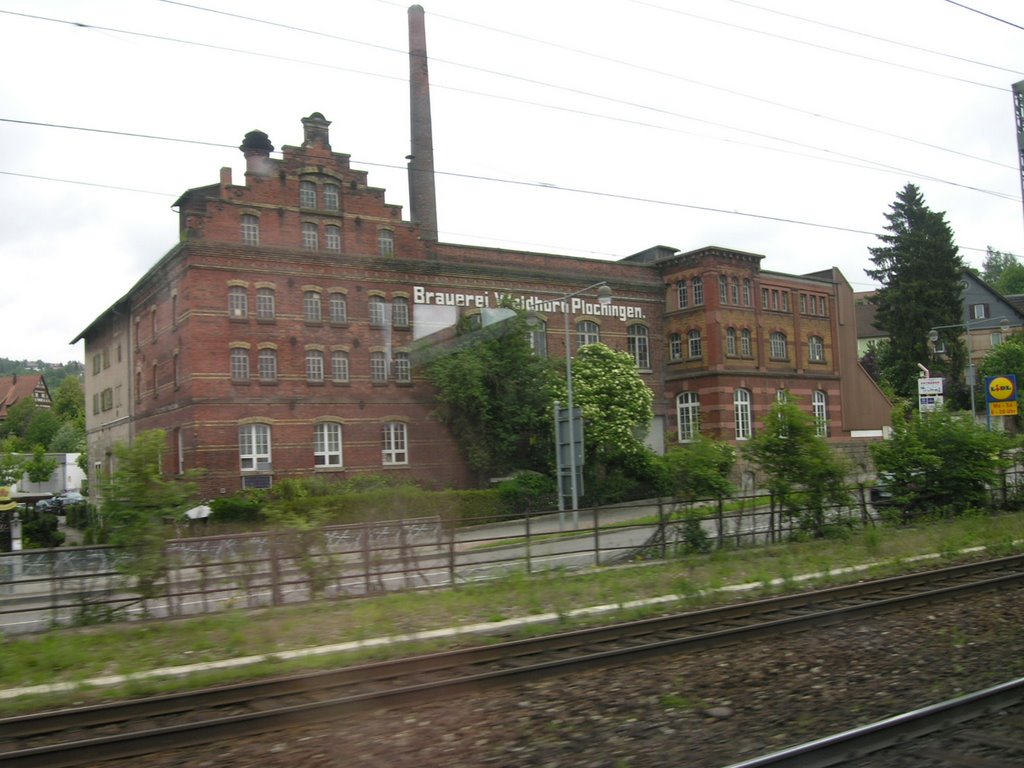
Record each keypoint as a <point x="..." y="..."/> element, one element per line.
<point x="89" y="735"/>
<point x="981" y="729"/>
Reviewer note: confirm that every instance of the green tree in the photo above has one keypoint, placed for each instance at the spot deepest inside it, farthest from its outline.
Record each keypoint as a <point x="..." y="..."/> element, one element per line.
<point x="42" y="429"/>
<point x="136" y="502"/>
<point x="69" y="438"/>
<point x="12" y="468"/>
<point x="39" y="468"/>
<point x="699" y="470"/>
<point x="939" y="463"/>
<point x="1006" y="358"/>
<point x="69" y="401"/>
<point x="1003" y="271"/>
<point x="919" y="269"/>
<point x="806" y="478"/>
<point x="495" y="394"/>
<point x="616" y="407"/>
<point x="19" y="417"/>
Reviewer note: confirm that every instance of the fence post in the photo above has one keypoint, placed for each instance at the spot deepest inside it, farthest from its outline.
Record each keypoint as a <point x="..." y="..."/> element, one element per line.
<point x="662" y="532"/>
<point x="54" y="588"/>
<point x="366" y="556"/>
<point x="451" y="556"/>
<point x="275" y="570"/>
<point x="529" y="563"/>
<point x="720" y="522"/>
<point x="597" y="537"/>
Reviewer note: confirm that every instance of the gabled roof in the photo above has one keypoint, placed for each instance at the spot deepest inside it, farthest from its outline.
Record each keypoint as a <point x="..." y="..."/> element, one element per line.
<point x="19" y="386"/>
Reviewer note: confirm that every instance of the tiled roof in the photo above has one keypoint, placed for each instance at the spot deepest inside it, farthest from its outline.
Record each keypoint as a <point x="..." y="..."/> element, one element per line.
<point x="14" y="388"/>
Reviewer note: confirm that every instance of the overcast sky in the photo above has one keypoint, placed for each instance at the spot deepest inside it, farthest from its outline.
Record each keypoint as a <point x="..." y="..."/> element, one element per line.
<point x="592" y="128"/>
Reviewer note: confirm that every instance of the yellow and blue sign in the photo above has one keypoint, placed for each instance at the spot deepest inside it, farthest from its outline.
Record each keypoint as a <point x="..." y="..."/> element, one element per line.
<point x="1001" y="395"/>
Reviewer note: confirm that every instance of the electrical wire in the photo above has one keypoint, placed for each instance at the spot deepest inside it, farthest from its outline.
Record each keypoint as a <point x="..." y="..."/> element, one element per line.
<point x="988" y="15"/>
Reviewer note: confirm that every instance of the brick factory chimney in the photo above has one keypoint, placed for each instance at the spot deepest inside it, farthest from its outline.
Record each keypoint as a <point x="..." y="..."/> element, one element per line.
<point x="256" y="147"/>
<point x="422" y="197"/>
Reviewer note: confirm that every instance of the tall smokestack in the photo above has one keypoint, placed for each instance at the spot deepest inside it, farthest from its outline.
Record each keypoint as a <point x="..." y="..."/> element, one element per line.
<point x="422" y="197"/>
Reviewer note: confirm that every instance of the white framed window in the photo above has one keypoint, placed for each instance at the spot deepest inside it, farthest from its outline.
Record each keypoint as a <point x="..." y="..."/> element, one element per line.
<point x="332" y="237"/>
<point x="688" y="409"/>
<point x="307" y="194"/>
<point x="332" y="197"/>
<point x="400" y="312"/>
<point x="693" y="344"/>
<point x="823" y="306"/>
<point x="327" y="445"/>
<point x="268" y="364"/>
<point x="338" y="307"/>
<point x="310" y="236"/>
<point x="734" y="290"/>
<point x="698" y="291"/>
<point x="395" y="450"/>
<point x="683" y="292"/>
<point x="537" y="335"/>
<point x="748" y="289"/>
<point x="386" y="242"/>
<point x="403" y="367"/>
<point x="741" y="410"/>
<point x="314" y="365"/>
<point x="816" y="349"/>
<point x="250" y="229"/>
<point x="339" y="367"/>
<point x="764" y="298"/>
<point x="638" y="345"/>
<point x="238" y="301"/>
<point x="378" y="367"/>
<point x="995" y="338"/>
<point x="730" y="342"/>
<point x="785" y="301"/>
<point x="745" y="345"/>
<point x="239" y="364"/>
<point x="979" y="311"/>
<point x="803" y="303"/>
<point x="378" y="315"/>
<point x="311" y="306"/>
<point x="265" y="309"/>
<point x="587" y="332"/>
<point x="778" y="346"/>
<point x="723" y="289"/>
<point x="254" y="447"/>
<point x="675" y="346"/>
<point x="819" y="406"/>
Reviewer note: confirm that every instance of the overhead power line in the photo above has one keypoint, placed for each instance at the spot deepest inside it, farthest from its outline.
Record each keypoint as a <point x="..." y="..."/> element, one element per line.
<point x="987" y="15"/>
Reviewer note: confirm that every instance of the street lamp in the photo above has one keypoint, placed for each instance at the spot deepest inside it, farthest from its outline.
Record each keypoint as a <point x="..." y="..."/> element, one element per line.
<point x="604" y="298"/>
<point x="933" y="337"/>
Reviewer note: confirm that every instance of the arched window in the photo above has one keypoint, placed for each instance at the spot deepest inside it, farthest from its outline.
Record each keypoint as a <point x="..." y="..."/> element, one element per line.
<point x="314" y="365"/>
<point x="327" y="445"/>
<point x="311" y="306"/>
<point x="693" y="344"/>
<point x="268" y="364"/>
<point x="537" y="335"/>
<point x="338" y="307"/>
<point x="683" y="292"/>
<point x="778" y="346"/>
<point x="310" y="236"/>
<point x="307" y="194"/>
<point x="403" y="367"/>
<point x="265" y="303"/>
<point x="698" y="291"/>
<point x="748" y="289"/>
<point x="395" y="449"/>
<point x="675" y="346"/>
<point x="331" y="197"/>
<point x="819" y="405"/>
<point x="816" y="349"/>
<point x="745" y="345"/>
<point x="587" y="332"/>
<point x="741" y="409"/>
<point x="734" y="290"/>
<point x="239" y="364"/>
<point x="723" y="289"/>
<point x="339" y="367"/>
<point x="688" y="409"/>
<point x="637" y="343"/>
<point x="377" y="313"/>
<point x="386" y="241"/>
<point x="730" y="342"/>
<point x="332" y="237"/>
<point x="378" y="367"/>
<point x="254" y="446"/>
<point x="400" y="312"/>
<point x="238" y="302"/>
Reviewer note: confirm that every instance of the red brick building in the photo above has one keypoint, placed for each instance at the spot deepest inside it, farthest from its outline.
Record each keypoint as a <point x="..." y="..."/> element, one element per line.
<point x="277" y="338"/>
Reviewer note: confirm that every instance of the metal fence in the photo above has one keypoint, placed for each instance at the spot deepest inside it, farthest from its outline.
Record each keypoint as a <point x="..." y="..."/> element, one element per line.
<point x="80" y="585"/>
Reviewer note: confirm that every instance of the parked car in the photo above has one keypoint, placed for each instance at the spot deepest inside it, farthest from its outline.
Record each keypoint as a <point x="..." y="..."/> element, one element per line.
<point x="59" y="503"/>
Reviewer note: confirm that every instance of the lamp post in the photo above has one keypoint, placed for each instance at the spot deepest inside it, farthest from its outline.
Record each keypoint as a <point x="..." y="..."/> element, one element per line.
<point x="604" y="297"/>
<point x="933" y="337"/>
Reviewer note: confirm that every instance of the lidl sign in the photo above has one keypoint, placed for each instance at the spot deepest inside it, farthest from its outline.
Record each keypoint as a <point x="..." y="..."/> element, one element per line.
<point x="1001" y="395"/>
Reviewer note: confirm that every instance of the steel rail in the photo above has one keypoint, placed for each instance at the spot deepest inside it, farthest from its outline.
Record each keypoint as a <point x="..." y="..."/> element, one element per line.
<point x="859" y="742"/>
<point x="691" y="631"/>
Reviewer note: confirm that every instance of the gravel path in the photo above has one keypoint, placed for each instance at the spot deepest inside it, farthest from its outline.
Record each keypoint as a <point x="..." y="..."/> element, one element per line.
<point x="706" y="709"/>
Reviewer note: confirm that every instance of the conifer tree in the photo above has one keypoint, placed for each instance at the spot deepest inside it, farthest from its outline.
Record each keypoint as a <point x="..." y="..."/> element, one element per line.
<point x="920" y="270"/>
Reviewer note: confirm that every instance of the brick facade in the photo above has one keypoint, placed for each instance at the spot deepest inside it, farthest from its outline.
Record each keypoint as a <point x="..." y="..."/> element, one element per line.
<point x="226" y="339"/>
